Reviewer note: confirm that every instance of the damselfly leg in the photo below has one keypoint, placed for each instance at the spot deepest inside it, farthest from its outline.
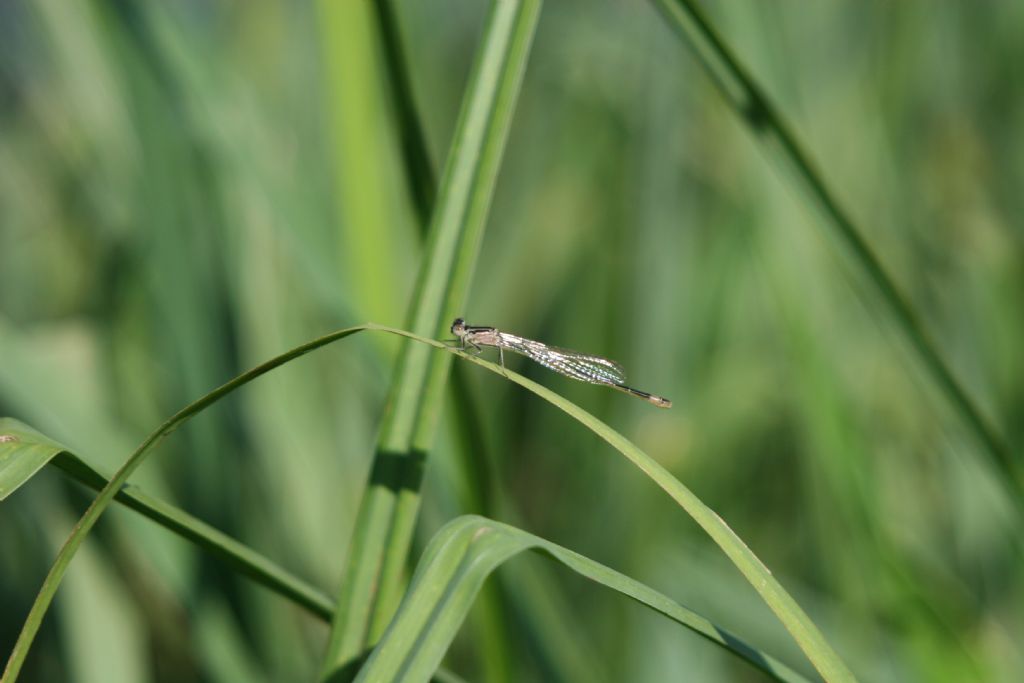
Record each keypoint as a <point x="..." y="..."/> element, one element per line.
<point x="476" y="338"/>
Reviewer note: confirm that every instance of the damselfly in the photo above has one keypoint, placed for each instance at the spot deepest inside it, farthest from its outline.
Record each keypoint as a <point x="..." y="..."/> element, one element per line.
<point x="579" y="366"/>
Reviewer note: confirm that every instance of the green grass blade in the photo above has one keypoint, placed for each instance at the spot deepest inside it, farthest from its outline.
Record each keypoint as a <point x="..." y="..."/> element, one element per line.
<point x="796" y="621"/>
<point x="793" y="618"/>
<point x="26" y="443"/>
<point x="106" y="495"/>
<point x="753" y="105"/>
<point x="234" y="554"/>
<point x="803" y="630"/>
<point x="357" y="126"/>
<point x="379" y="550"/>
<point x="492" y="631"/>
<point x="458" y="560"/>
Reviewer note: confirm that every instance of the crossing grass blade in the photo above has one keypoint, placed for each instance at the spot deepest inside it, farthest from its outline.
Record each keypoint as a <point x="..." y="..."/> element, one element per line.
<point x="106" y="495"/>
<point x="455" y="565"/>
<point x="24" y="451"/>
<point x="808" y="637"/>
<point x="29" y="450"/>
<point x="752" y="104"/>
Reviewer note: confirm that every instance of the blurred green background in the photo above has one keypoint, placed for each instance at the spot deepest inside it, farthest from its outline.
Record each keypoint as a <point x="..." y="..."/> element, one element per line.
<point x="189" y="188"/>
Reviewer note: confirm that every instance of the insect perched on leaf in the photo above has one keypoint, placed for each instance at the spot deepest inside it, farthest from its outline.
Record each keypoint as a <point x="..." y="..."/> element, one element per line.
<point x="579" y="366"/>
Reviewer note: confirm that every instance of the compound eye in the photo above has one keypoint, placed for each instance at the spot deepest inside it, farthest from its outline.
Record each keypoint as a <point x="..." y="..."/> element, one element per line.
<point x="458" y="324"/>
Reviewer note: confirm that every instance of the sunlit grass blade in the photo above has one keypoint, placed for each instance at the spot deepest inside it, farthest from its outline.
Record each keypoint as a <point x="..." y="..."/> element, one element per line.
<point x="457" y="562"/>
<point x="753" y="105"/>
<point x="356" y="126"/>
<point x="371" y="587"/>
<point x="421" y="181"/>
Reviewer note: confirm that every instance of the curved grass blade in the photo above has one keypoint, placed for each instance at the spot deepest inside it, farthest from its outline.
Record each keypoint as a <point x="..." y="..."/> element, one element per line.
<point x="27" y="442"/>
<point x="752" y="104"/>
<point x="107" y="493"/>
<point x="793" y="618"/>
<point x="803" y="630"/>
<point x="455" y="564"/>
<point x="796" y="621"/>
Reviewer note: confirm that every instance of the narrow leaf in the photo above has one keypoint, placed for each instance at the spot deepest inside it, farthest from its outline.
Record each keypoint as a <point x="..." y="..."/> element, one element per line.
<point x="456" y="563"/>
<point x="793" y="618"/>
<point x="803" y="630"/>
<point x="67" y="552"/>
<point x="377" y="558"/>
<point x="29" y="443"/>
<point x="750" y="101"/>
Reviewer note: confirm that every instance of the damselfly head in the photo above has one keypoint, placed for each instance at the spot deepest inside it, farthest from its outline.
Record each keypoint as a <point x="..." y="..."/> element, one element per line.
<point x="459" y="327"/>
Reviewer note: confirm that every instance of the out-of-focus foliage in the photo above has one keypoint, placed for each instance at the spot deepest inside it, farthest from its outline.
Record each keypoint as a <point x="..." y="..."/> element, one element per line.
<point x="189" y="188"/>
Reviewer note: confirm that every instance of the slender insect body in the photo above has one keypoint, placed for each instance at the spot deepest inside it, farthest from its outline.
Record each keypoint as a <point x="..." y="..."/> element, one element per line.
<point x="578" y="366"/>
